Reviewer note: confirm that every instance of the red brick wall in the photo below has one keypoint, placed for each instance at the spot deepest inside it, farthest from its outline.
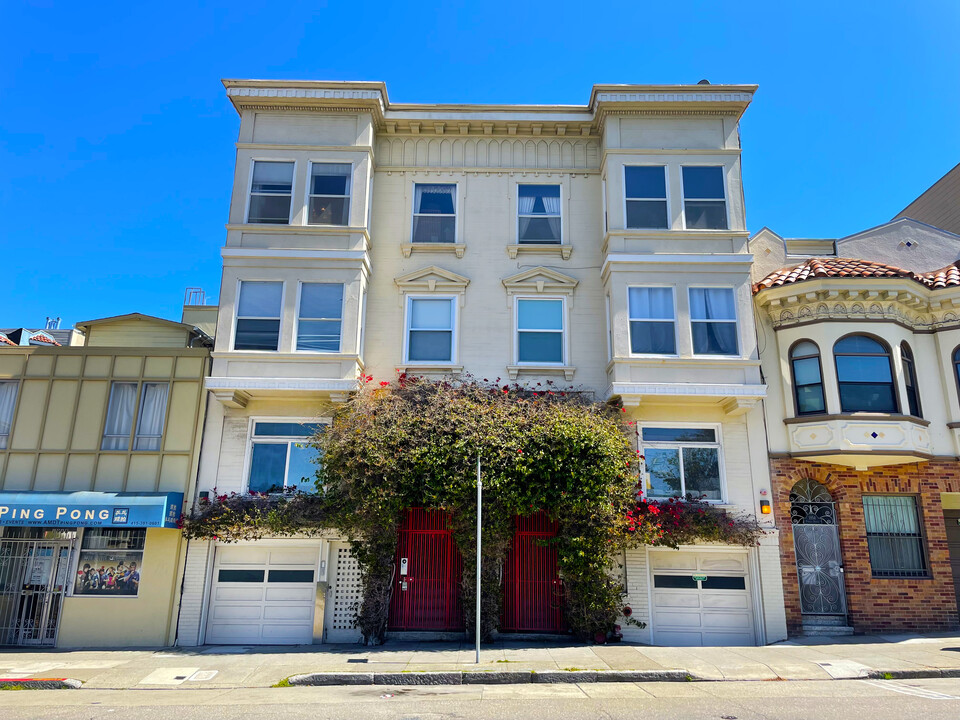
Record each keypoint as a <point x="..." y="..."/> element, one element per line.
<point x="875" y="604"/>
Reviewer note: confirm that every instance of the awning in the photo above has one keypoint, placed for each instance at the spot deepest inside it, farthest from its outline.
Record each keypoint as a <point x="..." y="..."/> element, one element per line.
<point x="90" y="509"/>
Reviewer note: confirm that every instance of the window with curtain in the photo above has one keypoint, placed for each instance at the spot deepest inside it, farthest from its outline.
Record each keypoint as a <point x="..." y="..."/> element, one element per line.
<point x="281" y="457"/>
<point x="539" y="331"/>
<point x="653" y="325"/>
<point x="329" y="202"/>
<point x="645" y="188"/>
<point x="120" y="415"/>
<point x="320" y="316"/>
<point x="153" y="412"/>
<point x="704" y="199"/>
<point x="681" y="461"/>
<point x="713" y="321"/>
<point x="124" y="413"/>
<point x="430" y="324"/>
<point x="258" y="316"/>
<point x="910" y="379"/>
<point x="893" y="536"/>
<point x="8" y="401"/>
<point x="434" y="213"/>
<point x="807" y="378"/>
<point x="538" y="211"/>
<point x="864" y="375"/>
<point x="271" y="191"/>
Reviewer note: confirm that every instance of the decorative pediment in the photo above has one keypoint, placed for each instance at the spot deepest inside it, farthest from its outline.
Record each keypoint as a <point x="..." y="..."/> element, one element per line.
<point x="540" y="281"/>
<point x="432" y="279"/>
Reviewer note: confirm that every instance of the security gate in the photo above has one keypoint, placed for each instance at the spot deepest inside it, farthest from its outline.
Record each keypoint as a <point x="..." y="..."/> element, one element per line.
<point x="533" y="593"/>
<point x="816" y="542"/>
<point x="33" y="579"/>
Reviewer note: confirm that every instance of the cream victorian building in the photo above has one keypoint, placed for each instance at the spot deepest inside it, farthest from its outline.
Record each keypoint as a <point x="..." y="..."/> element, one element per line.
<point x="601" y="246"/>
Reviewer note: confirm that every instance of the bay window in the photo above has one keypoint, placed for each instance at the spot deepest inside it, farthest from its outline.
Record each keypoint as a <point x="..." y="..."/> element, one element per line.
<point x="258" y="316"/>
<point x="807" y="378"/>
<point x="713" y="321"/>
<point x="271" y="190"/>
<point x="645" y="189"/>
<point x="864" y="375"/>
<point x="704" y="199"/>
<point x="329" y="202"/>
<point x="319" y="317"/>
<point x="652" y="321"/>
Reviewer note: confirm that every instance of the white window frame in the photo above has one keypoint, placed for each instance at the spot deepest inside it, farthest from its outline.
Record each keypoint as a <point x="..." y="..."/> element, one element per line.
<point x="456" y="213"/>
<point x="736" y="320"/>
<point x="137" y="418"/>
<point x="293" y="188"/>
<point x="272" y="439"/>
<point x="307" y="194"/>
<point x="563" y="330"/>
<point x="236" y="314"/>
<point x="726" y="201"/>
<point x="666" y="197"/>
<point x="454" y="301"/>
<point x="5" y="438"/>
<point x="675" y="321"/>
<point x="296" y="320"/>
<point x="718" y="430"/>
<point x="562" y="215"/>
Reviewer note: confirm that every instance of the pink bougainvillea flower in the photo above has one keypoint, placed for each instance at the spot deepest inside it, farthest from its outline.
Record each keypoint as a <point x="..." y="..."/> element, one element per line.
<point x="384" y="383"/>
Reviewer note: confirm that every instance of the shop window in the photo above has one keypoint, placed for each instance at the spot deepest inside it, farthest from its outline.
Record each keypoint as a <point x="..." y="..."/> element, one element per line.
<point x="281" y="457"/>
<point x="8" y="401"/>
<point x="111" y="562"/>
<point x="893" y="536"/>
<point x="141" y="406"/>
<point x="681" y="462"/>
<point x="807" y="378"/>
<point x="864" y="375"/>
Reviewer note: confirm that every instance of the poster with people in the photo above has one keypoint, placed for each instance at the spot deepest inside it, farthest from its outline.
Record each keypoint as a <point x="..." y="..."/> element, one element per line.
<point x="111" y="573"/>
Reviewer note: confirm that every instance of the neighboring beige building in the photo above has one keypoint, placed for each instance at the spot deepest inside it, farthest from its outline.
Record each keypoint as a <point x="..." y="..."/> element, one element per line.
<point x="600" y="245"/>
<point x="98" y="450"/>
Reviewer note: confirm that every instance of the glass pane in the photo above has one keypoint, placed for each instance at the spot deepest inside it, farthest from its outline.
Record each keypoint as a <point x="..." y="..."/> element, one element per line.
<point x="428" y="229"/>
<point x="267" y="467"/>
<point x="702" y="435"/>
<point x="712" y="304"/>
<point x="724" y="583"/>
<point x="676" y="582"/>
<point x="329" y="211"/>
<point x="650" y="214"/>
<point x="113" y="539"/>
<point x="810" y="399"/>
<point x="290" y="576"/>
<point x="240" y="576"/>
<point x="896" y="556"/>
<point x="430" y="346"/>
<point x="321" y="300"/>
<point x="540" y="198"/>
<point x="663" y="467"/>
<point x="655" y="338"/>
<point x="302" y="472"/>
<point x="545" y="347"/>
<point x="804" y="348"/>
<point x="153" y="411"/>
<point x="701" y="472"/>
<point x="714" y="338"/>
<point x="119" y="425"/>
<point x="540" y="229"/>
<point x="645" y="182"/>
<point x="330" y="178"/>
<point x="318" y="335"/>
<point x="703" y="183"/>
<point x="863" y="368"/>
<point x="540" y="314"/>
<point x="890" y="514"/>
<point x="260" y="299"/>
<point x="257" y="335"/>
<point x="867" y="397"/>
<point x="806" y="371"/>
<point x="431" y="314"/>
<point x="859" y="344"/>
<point x="651" y="303"/>
<point x="272" y="177"/>
<point x="705" y="214"/>
<point x="286" y="429"/>
<point x="435" y="199"/>
<point x="8" y="399"/>
<point x="274" y="209"/>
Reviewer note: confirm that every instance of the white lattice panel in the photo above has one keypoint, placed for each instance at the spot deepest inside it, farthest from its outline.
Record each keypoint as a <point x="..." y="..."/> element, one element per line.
<point x="345" y="597"/>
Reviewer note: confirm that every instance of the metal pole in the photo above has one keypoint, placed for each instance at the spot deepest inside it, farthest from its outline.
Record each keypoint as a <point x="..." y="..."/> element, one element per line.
<point x="479" y="514"/>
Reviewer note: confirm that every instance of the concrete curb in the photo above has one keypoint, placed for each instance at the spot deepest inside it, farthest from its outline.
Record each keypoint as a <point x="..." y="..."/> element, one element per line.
<point x="40" y="683"/>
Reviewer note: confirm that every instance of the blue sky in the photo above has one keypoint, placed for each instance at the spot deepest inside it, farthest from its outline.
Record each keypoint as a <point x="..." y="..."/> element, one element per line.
<point x="116" y="138"/>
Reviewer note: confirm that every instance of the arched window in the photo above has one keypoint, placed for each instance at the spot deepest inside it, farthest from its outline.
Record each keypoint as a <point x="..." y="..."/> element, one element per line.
<point x="956" y="366"/>
<point x="807" y="378"/>
<point x="864" y="375"/>
<point x="910" y="379"/>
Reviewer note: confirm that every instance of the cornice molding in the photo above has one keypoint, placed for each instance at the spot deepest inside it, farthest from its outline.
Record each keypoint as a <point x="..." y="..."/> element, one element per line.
<point x="432" y="279"/>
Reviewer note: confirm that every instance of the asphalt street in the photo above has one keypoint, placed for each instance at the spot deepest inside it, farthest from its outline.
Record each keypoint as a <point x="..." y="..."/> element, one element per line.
<point x="933" y="699"/>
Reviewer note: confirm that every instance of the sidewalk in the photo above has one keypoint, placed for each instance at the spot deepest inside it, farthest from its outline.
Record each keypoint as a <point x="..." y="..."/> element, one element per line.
<point x="263" y="666"/>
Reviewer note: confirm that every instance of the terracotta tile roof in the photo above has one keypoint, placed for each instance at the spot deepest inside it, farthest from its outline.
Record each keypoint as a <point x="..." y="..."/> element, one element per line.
<point x="852" y="267"/>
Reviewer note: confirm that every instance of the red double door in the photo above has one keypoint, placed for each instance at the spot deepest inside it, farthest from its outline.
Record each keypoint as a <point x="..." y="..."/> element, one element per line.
<point x="532" y="591"/>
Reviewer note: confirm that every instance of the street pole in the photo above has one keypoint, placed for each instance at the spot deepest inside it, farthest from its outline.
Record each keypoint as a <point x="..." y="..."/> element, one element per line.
<point x="479" y="514"/>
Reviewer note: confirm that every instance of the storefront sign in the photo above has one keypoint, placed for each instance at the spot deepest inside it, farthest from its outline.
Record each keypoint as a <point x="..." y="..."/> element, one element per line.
<point x="90" y="509"/>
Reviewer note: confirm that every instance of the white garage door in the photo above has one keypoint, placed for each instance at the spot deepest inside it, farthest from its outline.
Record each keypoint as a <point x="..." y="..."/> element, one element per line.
<point x="262" y="595"/>
<point x="701" y="599"/>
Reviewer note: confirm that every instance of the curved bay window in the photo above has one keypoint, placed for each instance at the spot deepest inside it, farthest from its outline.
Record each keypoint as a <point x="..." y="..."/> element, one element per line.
<point x="910" y="379"/>
<point x="864" y="375"/>
<point x="807" y="378"/>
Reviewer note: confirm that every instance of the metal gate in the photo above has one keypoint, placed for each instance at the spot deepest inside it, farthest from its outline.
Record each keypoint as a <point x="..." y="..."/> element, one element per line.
<point x="533" y="598"/>
<point x="816" y="542"/>
<point x="33" y="579"/>
<point x="428" y="571"/>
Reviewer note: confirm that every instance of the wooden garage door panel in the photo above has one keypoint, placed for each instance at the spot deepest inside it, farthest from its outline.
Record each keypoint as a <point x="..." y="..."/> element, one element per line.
<point x="293" y="556"/>
<point x="726" y="621"/>
<point x="229" y="633"/>
<point x="729" y="639"/>
<point x="689" y="599"/>
<point x="731" y="600"/>
<point x="241" y="555"/>
<point x="282" y="633"/>
<point x="673" y="619"/>
<point x="287" y="593"/>
<point x="678" y="638"/>
<point x="238" y="593"/>
<point x="288" y="613"/>
<point x="235" y="612"/>
<point x="673" y="561"/>
<point x="717" y="562"/>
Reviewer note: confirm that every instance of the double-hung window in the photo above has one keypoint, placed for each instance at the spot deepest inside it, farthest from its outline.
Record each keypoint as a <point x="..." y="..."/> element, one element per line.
<point x="681" y="461"/>
<point x="258" y="316"/>
<point x="910" y="379"/>
<point x="713" y="321"/>
<point x="329" y="202"/>
<point x="538" y="212"/>
<point x="893" y="536"/>
<point x="807" y="378"/>
<point x="652" y="321"/>
<point x="271" y="190"/>
<point x="704" y="199"/>
<point x="645" y="189"/>
<point x="430" y="329"/>
<point x="434" y="213"/>
<point x="864" y="375"/>
<point x="133" y="406"/>
<point x="281" y="457"/>
<point x="8" y="401"/>
<point x="540" y="331"/>
<point x="320" y="316"/>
